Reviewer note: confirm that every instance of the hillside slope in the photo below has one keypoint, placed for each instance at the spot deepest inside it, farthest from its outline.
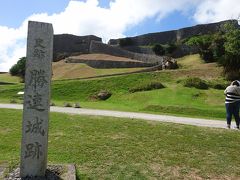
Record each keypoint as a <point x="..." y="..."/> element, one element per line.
<point x="194" y="66"/>
<point x="174" y="99"/>
<point x="62" y="70"/>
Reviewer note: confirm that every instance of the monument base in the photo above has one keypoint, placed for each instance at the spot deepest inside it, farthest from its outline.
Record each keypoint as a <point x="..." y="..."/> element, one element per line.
<point x="53" y="172"/>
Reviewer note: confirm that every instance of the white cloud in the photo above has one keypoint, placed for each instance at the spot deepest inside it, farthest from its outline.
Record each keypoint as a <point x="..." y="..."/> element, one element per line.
<point x="84" y="18"/>
<point x="217" y="10"/>
<point x="12" y="45"/>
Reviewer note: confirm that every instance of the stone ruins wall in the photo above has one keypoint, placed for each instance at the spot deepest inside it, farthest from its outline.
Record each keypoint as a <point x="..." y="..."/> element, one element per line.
<point x="65" y="45"/>
<point x="175" y="35"/>
<point x="98" y="47"/>
<point x="182" y="50"/>
<point x="138" y="49"/>
<point x="109" y="64"/>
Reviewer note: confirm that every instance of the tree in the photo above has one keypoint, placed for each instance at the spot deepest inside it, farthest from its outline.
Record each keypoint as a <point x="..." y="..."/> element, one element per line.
<point x="231" y="60"/>
<point x="171" y="47"/>
<point x="218" y="47"/>
<point x="223" y="47"/>
<point x="204" y="45"/>
<point x="126" y="42"/>
<point x="19" y="68"/>
<point x="158" y="49"/>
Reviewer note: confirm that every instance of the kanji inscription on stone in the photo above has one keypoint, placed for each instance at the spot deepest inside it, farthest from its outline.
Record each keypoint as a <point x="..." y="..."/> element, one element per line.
<point x="36" y="99"/>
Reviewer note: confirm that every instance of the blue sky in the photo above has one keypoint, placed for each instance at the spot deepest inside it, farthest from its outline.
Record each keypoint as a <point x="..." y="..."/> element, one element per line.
<point x="23" y="9"/>
<point x="175" y="20"/>
<point x="104" y="18"/>
<point x="14" y="12"/>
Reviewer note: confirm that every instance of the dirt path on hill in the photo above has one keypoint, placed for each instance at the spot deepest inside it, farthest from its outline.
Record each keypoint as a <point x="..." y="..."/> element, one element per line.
<point x="132" y="115"/>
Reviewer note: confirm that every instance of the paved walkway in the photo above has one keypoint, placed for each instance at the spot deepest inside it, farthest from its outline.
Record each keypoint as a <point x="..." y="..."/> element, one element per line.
<point x="132" y="115"/>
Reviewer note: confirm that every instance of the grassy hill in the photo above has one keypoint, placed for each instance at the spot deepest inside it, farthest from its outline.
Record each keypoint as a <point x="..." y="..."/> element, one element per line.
<point x="62" y="70"/>
<point x="175" y="98"/>
<point x="7" y="78"/>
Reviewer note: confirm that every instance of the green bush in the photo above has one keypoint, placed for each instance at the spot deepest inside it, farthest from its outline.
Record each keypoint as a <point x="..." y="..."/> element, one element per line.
<point x="19" y="68"/>
<point x="195" y="82"/>
<point x="14" y="70"/>
<point x="159" y="50"/>
<point x="207" y="55"/>
<point x="219" y="86"/>
<point x="171" y="47"/>
<point x="126" y="42"/>
<point x="147" y="87"/>
<point x="204" y="45"/>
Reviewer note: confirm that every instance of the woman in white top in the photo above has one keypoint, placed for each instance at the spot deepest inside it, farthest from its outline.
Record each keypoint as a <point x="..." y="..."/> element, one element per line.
<point x="232" y="102"/>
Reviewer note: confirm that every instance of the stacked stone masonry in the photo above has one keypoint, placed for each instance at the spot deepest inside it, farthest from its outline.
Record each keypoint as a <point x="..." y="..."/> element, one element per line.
<point x="65" y="45"/>
<point x="175" y="35"/>
<point x="98" y="47"/>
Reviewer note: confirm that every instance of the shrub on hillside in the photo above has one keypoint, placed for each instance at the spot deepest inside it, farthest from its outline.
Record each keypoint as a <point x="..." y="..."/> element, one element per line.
<point x="159" y="50"/>
<point x="218" y="84"/>
<point x="126" y="42"/>
<point x="147" y="87"/>
<point x="204" y="45"/>
<point x="195" y="82"/>
<point x="171" y="47"/>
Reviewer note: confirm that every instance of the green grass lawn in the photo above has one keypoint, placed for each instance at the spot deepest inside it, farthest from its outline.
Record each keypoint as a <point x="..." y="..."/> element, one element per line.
<point x="114" y="148"/>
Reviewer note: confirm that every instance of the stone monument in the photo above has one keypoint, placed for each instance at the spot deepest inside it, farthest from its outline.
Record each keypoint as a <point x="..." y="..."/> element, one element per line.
<point x="36" y="99"/>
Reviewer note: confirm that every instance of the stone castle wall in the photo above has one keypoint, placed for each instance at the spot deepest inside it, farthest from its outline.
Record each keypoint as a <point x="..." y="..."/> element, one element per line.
<point x="65" y="45"/>
<point x="98" y="47"/>
<point x="181" y="50"/>
<point x="175" y="35"/>
<point x="109" y="64"/>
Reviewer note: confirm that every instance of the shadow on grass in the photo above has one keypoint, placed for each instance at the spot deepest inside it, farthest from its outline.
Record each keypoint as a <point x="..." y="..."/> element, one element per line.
<point x="6" y="83"/>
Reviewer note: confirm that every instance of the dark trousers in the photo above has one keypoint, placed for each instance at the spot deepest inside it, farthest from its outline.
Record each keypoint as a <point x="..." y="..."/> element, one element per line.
<point x="232" y="109"/>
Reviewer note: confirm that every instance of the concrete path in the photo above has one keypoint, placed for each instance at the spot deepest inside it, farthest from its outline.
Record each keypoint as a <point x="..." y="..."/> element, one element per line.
<point x="131" y="115"/>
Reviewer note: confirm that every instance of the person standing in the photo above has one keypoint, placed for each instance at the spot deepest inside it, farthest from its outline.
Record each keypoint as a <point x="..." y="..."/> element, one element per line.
<point x="232" y="102"/>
